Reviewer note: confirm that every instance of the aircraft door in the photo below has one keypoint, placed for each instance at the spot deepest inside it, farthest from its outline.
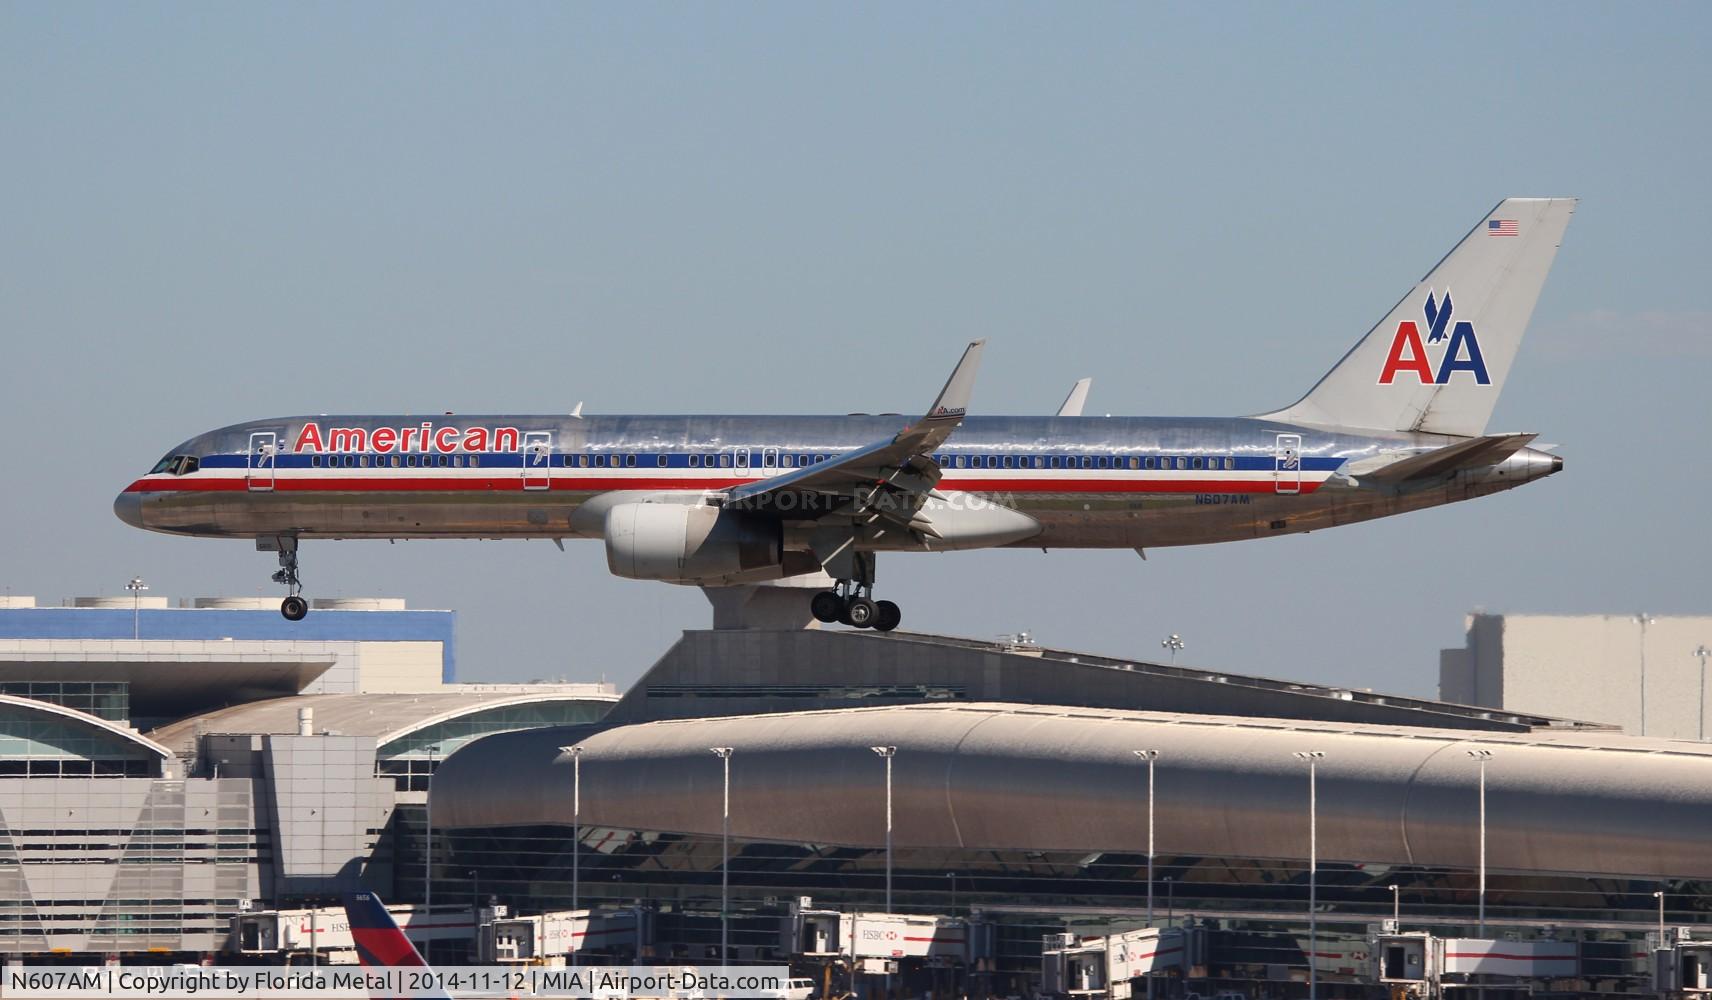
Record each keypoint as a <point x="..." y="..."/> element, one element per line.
<point x="770" y="462"/>
<point x="1287" y="464"/>
<point x="537" y="460"/>
<point x="258" y="470"/>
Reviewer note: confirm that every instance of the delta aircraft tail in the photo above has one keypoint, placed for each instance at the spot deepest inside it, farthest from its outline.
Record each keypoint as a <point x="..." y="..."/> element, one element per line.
<point x="1437" y="362"/>
<point x="382" y="944"/>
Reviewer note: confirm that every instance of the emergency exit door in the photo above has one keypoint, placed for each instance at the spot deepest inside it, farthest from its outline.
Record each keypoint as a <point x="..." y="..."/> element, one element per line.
<point x="537" y="460"/>
<point x="1287" y="464"/>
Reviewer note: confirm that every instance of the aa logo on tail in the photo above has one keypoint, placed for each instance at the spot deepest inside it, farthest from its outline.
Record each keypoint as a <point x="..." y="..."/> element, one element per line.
<point x="1456" y="346"/>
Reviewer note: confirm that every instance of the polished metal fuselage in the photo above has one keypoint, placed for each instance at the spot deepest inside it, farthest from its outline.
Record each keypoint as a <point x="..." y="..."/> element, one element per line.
<point x="1090" y="482"/>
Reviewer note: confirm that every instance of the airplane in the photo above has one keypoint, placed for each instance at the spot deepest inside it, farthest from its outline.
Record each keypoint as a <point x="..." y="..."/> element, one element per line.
<point x="1397" y="425"/>
<point x="381" y="944"/>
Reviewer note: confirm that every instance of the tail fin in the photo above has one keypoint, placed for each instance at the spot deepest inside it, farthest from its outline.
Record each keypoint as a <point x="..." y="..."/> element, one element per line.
<point x="1437" y="362"/>
<point x="380" y="942"/>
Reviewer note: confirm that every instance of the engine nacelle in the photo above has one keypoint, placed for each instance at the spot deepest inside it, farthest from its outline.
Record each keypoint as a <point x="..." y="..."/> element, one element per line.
<point x="680" y="543"/>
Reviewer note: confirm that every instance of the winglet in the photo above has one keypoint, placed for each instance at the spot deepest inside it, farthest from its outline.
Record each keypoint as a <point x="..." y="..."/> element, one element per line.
<point x="1073" y="403"/>
<point x="953" y="400"/>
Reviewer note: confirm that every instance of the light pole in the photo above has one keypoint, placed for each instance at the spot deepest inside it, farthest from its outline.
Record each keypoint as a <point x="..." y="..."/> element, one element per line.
<point x="576" y="753"/>
<point x="1396" y="906"/>
<point x="1173" y="642"/>
<point x="1150" y="756"/>
<point x="1312" y="758"/>
<point x="724" y="755"/>
<point x="1170" y="900"/>
<point x="1644" y="620"/>
<point x="887" y="753"/>
<point x="1702" y="652"/>
<point x="136" y="587"/>
<point x="428" y="838"/>
<point x="1481" y="757"/>
<point x="1659" y="895"/>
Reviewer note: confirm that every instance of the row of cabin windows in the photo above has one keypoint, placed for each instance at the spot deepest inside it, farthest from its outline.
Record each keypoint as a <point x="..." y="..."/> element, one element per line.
<point x="1185" y="462"/>
<point x="395" y="461"/>
<point x="726" y="460"/>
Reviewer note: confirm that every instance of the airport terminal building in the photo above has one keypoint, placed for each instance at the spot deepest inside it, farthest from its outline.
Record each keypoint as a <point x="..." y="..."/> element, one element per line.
<point x="187" y="782"/>
<point x="163" y="768"/>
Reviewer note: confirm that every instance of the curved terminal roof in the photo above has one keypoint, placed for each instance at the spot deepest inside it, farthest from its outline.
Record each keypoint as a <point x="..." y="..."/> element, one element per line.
<point x="93" y="730"/>
<point x="1008" y="777"/>
<point x="392" y="718"/>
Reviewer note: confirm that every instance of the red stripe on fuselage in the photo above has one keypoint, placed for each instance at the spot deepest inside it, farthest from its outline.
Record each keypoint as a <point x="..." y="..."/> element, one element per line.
<point x="450" y="484"/>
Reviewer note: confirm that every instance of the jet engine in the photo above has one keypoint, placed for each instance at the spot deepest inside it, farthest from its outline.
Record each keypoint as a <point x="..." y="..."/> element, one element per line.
<point x="680" y="543"/>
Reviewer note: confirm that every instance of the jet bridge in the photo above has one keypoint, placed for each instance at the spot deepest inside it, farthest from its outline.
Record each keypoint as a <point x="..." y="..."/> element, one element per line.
<point x="1105" y="967"/>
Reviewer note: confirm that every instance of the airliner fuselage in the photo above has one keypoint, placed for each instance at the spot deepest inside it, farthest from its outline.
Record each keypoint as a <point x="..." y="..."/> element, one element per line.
<point x="1397" y="425"/>
<point x="1087" y="482"/>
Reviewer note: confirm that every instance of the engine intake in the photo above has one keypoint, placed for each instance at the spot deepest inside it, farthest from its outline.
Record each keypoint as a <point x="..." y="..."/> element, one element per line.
<point x="679" y="543"/>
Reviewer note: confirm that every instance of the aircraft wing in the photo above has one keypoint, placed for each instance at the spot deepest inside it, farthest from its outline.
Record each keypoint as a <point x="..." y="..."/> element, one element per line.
<point x="899" y="465"/>
<point x="1473" y="453"/>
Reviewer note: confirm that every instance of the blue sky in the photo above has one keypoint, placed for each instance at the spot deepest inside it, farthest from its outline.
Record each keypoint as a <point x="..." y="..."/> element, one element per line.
<point x="220" y="212"/>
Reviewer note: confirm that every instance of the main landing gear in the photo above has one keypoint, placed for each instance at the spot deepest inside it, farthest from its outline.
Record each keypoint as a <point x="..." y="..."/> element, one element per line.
<point x="852" y="605"/>
<point x="852" y="602"/>
<point x="294" y="607"/>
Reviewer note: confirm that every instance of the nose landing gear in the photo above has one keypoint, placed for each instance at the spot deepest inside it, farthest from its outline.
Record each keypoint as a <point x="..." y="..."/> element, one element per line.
<point x="294" y="607"/>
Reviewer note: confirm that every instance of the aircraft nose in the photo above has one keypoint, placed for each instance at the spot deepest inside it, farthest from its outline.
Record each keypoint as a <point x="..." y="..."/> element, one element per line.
<point x="129" y="508"/>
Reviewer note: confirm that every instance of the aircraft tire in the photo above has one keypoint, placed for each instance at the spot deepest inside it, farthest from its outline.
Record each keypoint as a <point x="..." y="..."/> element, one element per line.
<point x="886" y="616"/>
<point x="294" y="608"/>
<point x="860" y="613"/>
<point x="827" y="607"/>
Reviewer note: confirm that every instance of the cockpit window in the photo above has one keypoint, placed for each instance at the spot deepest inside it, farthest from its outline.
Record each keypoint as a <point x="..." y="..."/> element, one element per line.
<point x="177" y="465"/>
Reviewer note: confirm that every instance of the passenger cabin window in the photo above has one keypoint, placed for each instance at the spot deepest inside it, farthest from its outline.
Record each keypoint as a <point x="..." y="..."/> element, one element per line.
<point x="1195" y="463"/>
<point x="1182" y="463"/>
<point x="1230" y="463"/>
<point x="662" y="461"/>
<point x="695" y="461"/>
<point x="630" y="461"/>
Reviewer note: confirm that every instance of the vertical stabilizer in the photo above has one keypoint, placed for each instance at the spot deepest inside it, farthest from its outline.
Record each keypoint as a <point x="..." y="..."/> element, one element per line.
<point x="1437" y="362"/>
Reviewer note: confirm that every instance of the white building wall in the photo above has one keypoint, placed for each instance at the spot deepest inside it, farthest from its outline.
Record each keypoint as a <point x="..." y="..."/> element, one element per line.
<point x="1599" y="668"/>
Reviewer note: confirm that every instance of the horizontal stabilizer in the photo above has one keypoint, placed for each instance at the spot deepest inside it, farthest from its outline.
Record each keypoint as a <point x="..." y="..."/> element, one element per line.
<point x="1471" y="454"/>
